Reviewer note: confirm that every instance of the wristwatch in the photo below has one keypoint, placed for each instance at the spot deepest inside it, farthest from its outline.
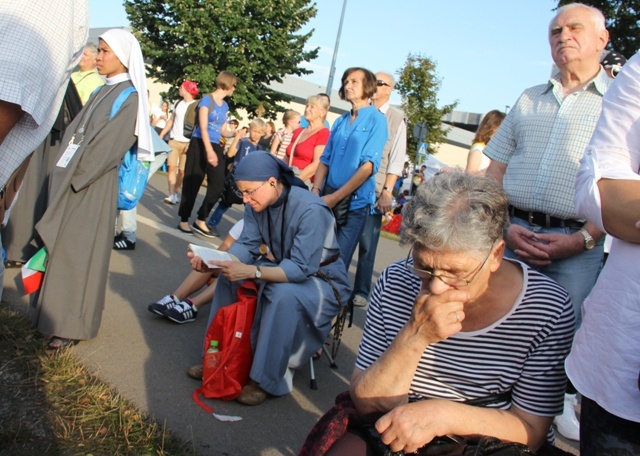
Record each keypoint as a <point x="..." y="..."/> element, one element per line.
<point x="258" y="272"/>
<point x="387" y="189"/>
<point x="589" y="243"/>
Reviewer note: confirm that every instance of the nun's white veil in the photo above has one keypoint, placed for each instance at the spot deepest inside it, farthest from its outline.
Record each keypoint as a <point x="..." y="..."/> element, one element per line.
<point x="126" y="47"/>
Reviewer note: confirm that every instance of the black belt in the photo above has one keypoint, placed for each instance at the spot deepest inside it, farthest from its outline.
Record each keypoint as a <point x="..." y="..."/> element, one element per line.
<point x="544" y="220"/>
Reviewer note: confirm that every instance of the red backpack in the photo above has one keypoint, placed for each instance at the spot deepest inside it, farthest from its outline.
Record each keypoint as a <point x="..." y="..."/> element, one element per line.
<point x="231" y="327"/>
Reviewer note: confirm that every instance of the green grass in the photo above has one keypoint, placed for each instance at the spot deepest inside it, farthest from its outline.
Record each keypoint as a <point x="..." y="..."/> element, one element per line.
<point x="387" y="235"/>
<point x="50" y="404"/>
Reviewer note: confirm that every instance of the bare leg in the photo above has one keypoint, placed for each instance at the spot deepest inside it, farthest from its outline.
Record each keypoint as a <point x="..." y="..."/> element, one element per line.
<point x="206" y="296"/>
<point x="172" y="179"/>
<point x="178" y="180"/>
<point x="191" y="284"/>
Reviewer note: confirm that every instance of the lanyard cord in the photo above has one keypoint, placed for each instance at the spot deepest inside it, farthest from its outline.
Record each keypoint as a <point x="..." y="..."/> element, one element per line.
<point x="89" y="113"/>
<point x="284" y="211"/>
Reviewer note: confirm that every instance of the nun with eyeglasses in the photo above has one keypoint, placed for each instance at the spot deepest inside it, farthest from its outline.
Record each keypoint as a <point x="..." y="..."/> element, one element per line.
<point x="299" y="285"/>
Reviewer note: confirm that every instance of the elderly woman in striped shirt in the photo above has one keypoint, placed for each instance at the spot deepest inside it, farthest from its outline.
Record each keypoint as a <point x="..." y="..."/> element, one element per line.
<point x="457" y="323"/>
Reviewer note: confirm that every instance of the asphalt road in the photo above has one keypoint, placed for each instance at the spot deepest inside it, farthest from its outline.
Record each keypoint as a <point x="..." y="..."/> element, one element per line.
<point x="145" y="357"/>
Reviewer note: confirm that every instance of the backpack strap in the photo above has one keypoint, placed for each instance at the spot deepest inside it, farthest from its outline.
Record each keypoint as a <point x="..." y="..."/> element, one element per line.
<point x="120" y="100"/>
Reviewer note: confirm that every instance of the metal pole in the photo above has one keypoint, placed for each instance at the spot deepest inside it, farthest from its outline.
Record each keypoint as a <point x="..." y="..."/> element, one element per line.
<point x="332" y="71"/>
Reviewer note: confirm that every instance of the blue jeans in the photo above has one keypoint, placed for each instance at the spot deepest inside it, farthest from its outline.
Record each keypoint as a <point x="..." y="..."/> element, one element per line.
<point x="129" y="223"/>
<point x="348" y="234"/>
<point x="216" y="215"/>
<point x="368" y="246"/>
<point x="577" y="274"/>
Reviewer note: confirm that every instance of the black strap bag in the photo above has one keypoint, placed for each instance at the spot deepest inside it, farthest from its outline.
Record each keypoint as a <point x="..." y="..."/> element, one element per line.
<point x="340" y="210"/>
<point x="230" y="193"/>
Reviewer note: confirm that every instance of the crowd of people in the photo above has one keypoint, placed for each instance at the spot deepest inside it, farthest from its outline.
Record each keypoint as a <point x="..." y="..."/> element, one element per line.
<point x="502" y="297"/>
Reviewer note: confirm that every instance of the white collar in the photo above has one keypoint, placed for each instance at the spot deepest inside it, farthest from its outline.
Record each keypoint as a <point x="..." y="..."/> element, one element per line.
<point x="118" y="78"/>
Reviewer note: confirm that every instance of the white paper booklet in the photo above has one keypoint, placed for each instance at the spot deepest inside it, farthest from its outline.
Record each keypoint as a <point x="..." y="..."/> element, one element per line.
<point x="209" y="254"/>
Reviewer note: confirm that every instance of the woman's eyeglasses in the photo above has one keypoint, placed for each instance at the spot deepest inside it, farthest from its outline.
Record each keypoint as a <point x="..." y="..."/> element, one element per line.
<point x="248" y="193"/>
<point x="457" y="282"/>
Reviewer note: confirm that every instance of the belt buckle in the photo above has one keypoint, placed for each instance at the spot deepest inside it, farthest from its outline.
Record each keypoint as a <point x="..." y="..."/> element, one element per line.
<point x="530" y="220"/>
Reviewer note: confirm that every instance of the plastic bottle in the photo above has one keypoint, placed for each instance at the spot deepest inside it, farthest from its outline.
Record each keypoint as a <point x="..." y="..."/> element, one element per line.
<point x="213" y="347"/>
<point x="212" y="357"/>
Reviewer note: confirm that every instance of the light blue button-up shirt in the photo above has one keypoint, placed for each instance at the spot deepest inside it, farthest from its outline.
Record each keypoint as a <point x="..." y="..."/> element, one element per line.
<point x="542" y="140"/>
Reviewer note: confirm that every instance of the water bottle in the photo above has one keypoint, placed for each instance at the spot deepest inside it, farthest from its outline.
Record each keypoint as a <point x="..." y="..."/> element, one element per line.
<point x="213" y="347"/>
<point x="212" y="356"/>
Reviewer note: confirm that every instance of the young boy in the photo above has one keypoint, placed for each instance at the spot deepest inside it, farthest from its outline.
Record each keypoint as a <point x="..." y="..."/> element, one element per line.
<point x="239" y="148"/>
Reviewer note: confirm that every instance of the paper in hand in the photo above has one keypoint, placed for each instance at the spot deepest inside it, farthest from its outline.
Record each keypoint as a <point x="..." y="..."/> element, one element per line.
<point x="208" y="254"/>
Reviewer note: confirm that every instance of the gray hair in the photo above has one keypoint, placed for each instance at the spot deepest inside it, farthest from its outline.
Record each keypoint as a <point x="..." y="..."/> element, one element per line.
<point x="93" y="48"/>
<point x="457" y="212"/>
<point x="596" y="15"/>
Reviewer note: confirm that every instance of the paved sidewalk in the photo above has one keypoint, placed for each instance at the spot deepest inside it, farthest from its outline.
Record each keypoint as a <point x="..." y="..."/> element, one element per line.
<point x="145" y="357"/>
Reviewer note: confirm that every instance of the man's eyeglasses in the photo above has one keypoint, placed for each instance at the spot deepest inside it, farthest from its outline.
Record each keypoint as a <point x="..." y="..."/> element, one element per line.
<point x="382" y="83"/>
<point x="447" y="280"/>
<point x="248" y="193"/>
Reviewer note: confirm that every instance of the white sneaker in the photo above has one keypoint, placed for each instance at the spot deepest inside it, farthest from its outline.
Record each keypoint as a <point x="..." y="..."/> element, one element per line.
<point x="567" y="423"/>
<point x="171" y="199"/>
<point x="176" y="196"/>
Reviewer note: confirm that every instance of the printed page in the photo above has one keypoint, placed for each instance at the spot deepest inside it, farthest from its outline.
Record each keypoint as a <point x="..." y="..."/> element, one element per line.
<point x="209" y="254"/>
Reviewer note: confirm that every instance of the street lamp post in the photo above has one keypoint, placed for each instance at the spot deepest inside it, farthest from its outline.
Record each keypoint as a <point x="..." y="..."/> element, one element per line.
<point x="332" y="70"/>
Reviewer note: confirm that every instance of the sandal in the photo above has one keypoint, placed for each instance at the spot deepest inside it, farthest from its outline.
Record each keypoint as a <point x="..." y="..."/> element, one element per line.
<point x="57" y="343"/>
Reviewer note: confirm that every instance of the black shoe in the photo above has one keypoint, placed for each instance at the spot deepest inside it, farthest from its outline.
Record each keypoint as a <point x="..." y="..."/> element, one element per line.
<point x="201" y="232"/>
<point x="122" y="243"/>
<point x="184" y="231"/>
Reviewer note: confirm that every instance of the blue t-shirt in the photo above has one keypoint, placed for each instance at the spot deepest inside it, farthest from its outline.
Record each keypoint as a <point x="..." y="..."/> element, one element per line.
<point x="245" y="147"/>
<point x="217" y="118"/>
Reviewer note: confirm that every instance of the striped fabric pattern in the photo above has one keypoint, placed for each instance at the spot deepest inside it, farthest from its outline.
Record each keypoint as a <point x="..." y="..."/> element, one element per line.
<point x="523" y="352"/>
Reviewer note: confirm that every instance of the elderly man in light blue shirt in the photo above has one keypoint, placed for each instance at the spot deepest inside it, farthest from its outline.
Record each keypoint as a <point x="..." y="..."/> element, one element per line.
<point x="536" y="152"/>
<point x="535" y="155"/>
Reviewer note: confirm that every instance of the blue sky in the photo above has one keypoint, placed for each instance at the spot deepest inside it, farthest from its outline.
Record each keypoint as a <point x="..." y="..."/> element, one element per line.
<point x="486" y="51"/>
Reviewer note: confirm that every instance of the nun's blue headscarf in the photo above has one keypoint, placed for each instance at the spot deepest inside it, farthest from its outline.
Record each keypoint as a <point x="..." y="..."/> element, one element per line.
<point x="261" y="165"/>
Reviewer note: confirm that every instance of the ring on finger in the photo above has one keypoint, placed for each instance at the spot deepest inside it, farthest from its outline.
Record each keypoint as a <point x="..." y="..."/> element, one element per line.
<point x="457" y="319"/>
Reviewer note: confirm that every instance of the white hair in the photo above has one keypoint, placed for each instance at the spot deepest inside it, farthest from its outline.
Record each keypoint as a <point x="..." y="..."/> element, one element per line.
<point x="596" y="15"/>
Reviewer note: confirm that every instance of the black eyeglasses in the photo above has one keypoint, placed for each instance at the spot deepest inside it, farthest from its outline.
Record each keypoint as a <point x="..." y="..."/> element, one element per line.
<point x="382" y="83"/>
<point x="447" y="280"/>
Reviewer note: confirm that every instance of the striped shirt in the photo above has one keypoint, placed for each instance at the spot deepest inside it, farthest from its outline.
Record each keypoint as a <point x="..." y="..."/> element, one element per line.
<point x="523" y="352"/>
<point x="285" y="140"/>
<point x="542" y="141"/>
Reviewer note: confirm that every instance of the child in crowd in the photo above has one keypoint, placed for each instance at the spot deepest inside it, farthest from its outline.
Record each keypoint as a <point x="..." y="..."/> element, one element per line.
<point x="178" y="307"/>
<point x="282" y="138"/>
<point x="240" y="147"/>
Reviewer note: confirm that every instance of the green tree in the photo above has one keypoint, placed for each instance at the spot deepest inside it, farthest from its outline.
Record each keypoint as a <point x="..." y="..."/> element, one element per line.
<point x="258" y="40"/>
<point x="418" y="84"/>
<point x="623" y="22"/>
